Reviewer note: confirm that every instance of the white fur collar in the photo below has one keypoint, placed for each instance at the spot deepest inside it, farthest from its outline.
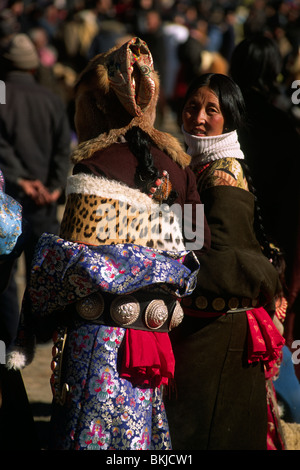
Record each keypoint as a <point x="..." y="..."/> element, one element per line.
<point x="103" y="187"/>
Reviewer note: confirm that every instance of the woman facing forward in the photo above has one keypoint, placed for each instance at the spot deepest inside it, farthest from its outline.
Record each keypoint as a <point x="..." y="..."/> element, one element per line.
<point x="227" y="339"/>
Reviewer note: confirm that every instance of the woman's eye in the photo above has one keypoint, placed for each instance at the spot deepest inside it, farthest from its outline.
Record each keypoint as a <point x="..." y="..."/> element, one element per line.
<point x="191" y="107"/>
<point x="212" y="109"/>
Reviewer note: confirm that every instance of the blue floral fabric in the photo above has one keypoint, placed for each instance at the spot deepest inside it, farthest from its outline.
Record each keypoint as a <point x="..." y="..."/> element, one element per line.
<point x="104" y="411"/>
<point x="10" y="220"/>
<point x="63" y="271"/>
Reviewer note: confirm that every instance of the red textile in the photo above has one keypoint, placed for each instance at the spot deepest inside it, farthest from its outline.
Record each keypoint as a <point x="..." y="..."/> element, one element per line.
<point x="148" y="359"/>
<point x="264" y="341"/>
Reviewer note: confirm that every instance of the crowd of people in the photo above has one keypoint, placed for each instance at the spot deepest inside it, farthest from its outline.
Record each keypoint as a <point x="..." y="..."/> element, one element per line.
<point x="185" y="38"/>
<point x="88" y="85"/>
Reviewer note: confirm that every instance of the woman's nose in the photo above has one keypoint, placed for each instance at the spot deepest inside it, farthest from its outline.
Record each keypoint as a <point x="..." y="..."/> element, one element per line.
<point x="200" y="116"/>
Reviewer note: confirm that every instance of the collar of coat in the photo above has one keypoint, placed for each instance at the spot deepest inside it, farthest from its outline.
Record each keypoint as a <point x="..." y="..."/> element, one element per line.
<point x="163" y="140"/>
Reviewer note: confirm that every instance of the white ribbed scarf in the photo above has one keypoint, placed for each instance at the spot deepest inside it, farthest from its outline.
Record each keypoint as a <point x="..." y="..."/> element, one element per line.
<point x="210" y="148"/>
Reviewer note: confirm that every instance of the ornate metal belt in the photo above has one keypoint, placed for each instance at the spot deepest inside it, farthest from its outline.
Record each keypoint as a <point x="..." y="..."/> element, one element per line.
<point x="219" y="304"/>
<point x="140" y="310"/>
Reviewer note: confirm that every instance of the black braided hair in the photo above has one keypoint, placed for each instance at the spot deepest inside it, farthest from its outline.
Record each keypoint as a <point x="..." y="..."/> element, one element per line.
<point x="139" y="144"/>
<point x="146" y="173"/>
<point x="272" y="252"/>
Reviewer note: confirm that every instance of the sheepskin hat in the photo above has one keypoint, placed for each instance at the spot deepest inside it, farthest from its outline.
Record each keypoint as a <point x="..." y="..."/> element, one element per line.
<point x="117" y="90"/>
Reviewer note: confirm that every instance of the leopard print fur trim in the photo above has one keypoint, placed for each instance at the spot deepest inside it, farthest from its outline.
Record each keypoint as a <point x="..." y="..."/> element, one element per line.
<point x="100" y="212"/>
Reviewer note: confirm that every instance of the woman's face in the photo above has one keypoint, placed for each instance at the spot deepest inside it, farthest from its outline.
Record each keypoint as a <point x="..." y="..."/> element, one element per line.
<point x="202" y="115"/>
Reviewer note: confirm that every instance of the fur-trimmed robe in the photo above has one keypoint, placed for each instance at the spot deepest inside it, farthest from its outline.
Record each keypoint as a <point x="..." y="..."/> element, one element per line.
<point x="118" y="163"/>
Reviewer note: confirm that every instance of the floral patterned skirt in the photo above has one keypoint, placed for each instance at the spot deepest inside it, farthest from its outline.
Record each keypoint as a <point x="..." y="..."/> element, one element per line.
<point x="103" y="411"/>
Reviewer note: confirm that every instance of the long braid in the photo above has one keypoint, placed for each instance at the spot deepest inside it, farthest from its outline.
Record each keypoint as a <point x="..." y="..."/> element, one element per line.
<point x="269" y="250"/>
<point x="139" y="143"/>
<point x="146" y="173"/>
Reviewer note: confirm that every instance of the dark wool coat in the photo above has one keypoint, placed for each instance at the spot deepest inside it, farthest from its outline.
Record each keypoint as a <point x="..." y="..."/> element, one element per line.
<point x="221" y="398"/>
<point x="34" y="142"/>
<point x="235" y="265"/>
<point x="35" y="134"/>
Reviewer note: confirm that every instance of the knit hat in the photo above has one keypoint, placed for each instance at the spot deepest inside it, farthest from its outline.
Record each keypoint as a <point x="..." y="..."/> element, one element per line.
<point x="118" y="90"/>
<point x="21" y="53"/>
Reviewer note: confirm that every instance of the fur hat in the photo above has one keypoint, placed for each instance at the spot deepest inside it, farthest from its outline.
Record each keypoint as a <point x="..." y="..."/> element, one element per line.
<point x="118" y="90"/>
<point x="21" y="53"/>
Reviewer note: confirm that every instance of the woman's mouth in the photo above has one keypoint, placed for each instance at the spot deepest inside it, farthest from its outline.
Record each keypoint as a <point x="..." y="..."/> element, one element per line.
<point x="199" y="132"/>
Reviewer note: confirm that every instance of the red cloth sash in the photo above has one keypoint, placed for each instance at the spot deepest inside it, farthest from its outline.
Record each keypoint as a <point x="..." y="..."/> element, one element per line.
<point x="148" y="359"/>
<point x="264" y="340"/>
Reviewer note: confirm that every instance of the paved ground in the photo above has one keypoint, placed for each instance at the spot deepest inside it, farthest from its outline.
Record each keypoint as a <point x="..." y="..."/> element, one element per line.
<point x="36" y="378"/>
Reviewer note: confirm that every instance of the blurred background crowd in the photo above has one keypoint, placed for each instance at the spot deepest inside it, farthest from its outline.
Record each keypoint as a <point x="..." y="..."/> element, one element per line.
<point x="186" y="37"/>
